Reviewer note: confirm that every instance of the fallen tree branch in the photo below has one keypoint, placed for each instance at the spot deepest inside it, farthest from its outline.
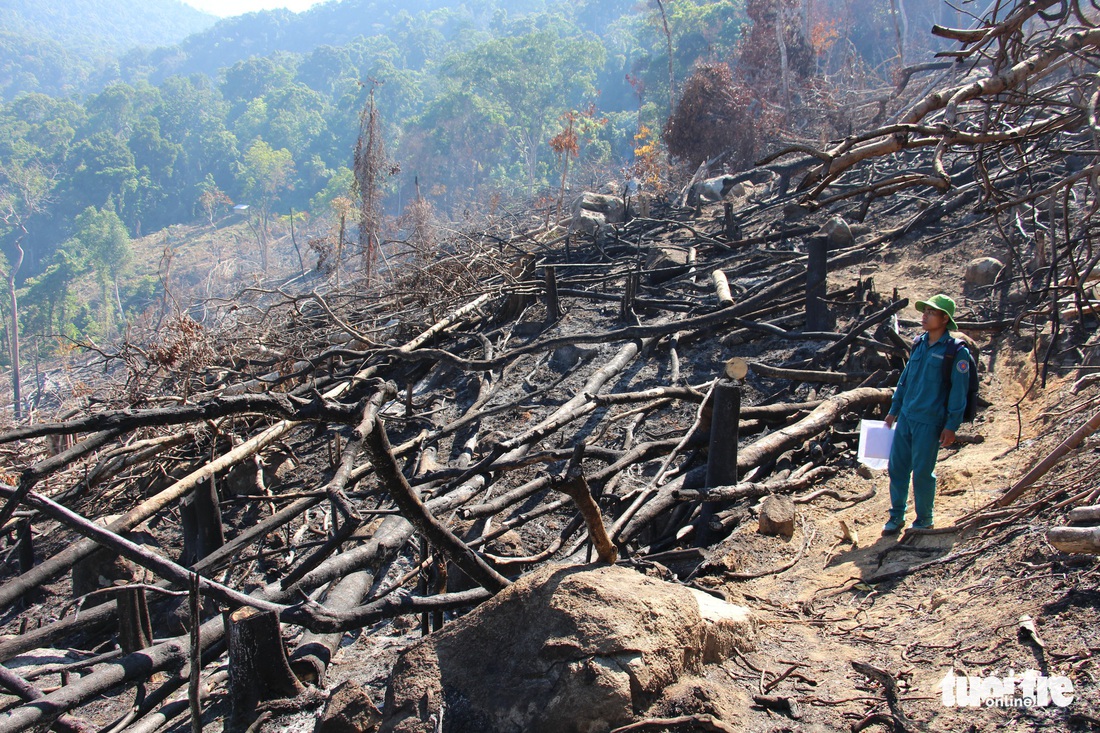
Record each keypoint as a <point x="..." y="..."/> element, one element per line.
<point x="701" y="722"/>
<point x="280" y="405"/>
<point x="385" y="465"/>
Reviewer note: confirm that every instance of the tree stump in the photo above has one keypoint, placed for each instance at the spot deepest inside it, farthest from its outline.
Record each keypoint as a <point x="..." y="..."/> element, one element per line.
<point x="201" y="517"/>
<point x="258" y="666"/>
<point x="721" y="454"/>
<point x="818" y="316"/>
<point x="777" y="516"/>
<point x="135" y="631"/>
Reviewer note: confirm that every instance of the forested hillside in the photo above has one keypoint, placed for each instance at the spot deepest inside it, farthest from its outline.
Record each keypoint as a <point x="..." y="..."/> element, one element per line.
<point x="62" y="46"/>
<point x="459" y="106"/>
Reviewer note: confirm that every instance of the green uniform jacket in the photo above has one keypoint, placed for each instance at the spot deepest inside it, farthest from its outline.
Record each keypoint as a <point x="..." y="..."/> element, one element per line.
<point x="921" y="395"/>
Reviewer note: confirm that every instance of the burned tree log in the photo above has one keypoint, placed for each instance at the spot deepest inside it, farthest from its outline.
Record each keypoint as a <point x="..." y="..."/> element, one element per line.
<point x="821" y="418"/>
<point x="1079" y="435"/>
<point x="27" y="692"/>
<point x="1084" y="540"/>
<point x="133" y="667"/>
<point x="313" y="653"/>
<point x="64" y="560"/>
<point x="806" y="375"/>
<point x="1084" y="515"/>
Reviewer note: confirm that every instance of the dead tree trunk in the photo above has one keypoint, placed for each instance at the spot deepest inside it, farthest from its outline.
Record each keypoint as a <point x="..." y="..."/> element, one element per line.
<point x="135" y="630"/>
<point x="824" y="415"/>
<point x="201" y="517"/>
<point x="258" y="666"/>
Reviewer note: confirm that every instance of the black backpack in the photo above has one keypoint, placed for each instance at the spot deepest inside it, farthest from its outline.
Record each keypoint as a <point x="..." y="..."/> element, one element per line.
<point x="953" y="345"/>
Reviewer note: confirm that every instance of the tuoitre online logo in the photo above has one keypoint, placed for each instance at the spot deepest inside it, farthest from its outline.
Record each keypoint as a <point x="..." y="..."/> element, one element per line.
<point x="1026" y="690"/>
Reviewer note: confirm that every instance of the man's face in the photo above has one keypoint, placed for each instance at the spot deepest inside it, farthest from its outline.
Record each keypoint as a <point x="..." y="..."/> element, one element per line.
<point x="933" y="319"/>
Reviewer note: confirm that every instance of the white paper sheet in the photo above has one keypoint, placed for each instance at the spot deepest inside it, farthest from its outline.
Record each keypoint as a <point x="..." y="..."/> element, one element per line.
<point x="875" y="440"/>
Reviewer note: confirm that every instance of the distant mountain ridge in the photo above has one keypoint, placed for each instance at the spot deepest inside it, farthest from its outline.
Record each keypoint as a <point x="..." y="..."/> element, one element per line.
<point x="332" y="23"/>
<point x="87" y="26"/>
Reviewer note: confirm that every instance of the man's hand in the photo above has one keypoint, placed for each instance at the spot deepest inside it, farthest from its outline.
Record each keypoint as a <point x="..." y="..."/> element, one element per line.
<point x="947" y="437"/>
<point x="890" y="420"/>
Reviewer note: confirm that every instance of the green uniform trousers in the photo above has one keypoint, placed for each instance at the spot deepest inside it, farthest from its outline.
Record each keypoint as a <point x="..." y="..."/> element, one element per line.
<point x="914" y="452"/>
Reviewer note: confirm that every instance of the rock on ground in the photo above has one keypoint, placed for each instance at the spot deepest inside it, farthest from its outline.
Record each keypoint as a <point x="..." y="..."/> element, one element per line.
<point x="349" y="710"/>
<point x="563" y="650"/>
<point x="611" y="207"/>
<point x="983" y="271"/>
<point x="665" y="263"/>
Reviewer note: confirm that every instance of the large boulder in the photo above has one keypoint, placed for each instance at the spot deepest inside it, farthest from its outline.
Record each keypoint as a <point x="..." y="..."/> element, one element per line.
<point x="592" y="223"/>
<point x="611" y="207"/>
<point x="562" y="650"/>
<point x="667" y="262"/>
<point x="983" y="271"/>
<point x="839" y="232"/>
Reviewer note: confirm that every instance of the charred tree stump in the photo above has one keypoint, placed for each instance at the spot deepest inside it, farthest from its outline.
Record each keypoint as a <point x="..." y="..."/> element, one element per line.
<point x="25" y="540"/>
<point x="258" y="666"/>
<point x="89" y="574"/>
<point x="135" y="631"/>
<point x="818" y="316"/>
<point x="722" y="452"/>
<point x="630" y="294"/>
<point x="553" y="305"/>
<point x="730" y="225"/>
<point x="201" y="517"/>
<point x="26" y="546"/>
<point x="515" y="303"/>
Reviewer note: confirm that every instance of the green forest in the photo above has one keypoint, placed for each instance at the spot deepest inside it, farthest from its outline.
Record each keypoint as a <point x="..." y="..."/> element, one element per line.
<point x="265" y="110"/>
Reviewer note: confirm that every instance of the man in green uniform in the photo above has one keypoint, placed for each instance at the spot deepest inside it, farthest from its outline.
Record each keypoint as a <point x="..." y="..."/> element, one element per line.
<point x="927" y="413"/>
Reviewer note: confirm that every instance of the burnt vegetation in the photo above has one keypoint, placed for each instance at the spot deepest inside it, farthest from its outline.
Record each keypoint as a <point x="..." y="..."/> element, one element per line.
<point x="314" y="460"/>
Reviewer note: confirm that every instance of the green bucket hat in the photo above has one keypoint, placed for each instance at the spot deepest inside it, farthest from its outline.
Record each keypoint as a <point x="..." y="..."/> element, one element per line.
<point x="941" y="303"/>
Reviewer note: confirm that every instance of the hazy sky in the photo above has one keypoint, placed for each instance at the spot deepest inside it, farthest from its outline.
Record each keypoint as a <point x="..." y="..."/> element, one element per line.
<point x="226" y="8"/>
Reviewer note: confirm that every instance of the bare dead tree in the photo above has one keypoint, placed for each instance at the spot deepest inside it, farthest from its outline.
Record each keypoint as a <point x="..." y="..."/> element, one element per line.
<point x="370" y="171"/>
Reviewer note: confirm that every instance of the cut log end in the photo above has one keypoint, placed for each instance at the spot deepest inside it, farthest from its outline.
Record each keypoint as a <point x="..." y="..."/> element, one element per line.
<point x="1084" y="540"/>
